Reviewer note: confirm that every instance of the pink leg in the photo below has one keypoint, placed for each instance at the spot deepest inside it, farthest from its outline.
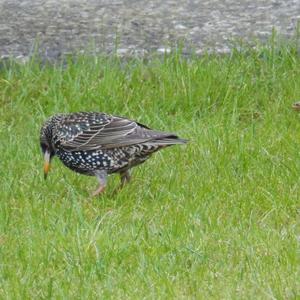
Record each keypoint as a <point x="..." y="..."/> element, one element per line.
<point x="99" y="190"/>
<point x="101" y="177"/>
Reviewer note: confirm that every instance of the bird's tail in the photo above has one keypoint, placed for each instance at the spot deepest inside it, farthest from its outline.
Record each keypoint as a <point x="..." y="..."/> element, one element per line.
<point x="170" y="140"/>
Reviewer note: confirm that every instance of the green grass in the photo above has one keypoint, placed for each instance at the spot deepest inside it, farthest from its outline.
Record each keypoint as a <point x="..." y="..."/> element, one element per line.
<point x="217" y="219"/>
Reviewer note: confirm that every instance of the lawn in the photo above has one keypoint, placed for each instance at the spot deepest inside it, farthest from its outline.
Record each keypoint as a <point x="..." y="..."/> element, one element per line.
<point x="217" y="218"/>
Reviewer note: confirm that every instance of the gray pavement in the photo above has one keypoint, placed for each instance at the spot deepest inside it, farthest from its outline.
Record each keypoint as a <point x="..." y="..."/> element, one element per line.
<point x="138" y="27"/>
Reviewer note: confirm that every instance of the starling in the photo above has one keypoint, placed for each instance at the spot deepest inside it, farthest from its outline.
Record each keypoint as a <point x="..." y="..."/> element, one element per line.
<point x="98" y="144"/>
<point x="296" y="106"/>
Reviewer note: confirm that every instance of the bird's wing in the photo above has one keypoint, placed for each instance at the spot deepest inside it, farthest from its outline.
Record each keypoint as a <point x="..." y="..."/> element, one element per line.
<point x="90" y="133"/>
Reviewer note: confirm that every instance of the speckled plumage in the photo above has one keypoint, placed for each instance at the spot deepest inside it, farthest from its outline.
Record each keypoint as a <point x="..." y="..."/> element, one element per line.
<point x="98" y="144"/>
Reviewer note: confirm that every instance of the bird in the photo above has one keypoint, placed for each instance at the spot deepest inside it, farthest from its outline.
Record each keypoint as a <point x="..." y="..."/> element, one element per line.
<point x="99" y="144"/>
<point x="296" y="105"/>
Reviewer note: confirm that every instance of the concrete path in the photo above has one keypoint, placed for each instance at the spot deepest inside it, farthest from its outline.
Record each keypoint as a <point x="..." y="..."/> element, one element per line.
<point x="138" y="26"/>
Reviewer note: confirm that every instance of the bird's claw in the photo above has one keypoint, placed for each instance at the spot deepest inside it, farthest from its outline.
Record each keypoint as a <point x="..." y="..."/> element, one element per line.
<point x="99" y="190"/>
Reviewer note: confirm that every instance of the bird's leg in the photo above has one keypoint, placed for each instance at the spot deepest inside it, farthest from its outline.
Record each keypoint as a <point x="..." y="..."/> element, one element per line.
<point x="101" y="176"/>
<point x="125" y="177"/>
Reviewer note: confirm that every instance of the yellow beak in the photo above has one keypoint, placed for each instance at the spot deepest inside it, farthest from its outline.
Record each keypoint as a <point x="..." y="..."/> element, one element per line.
<point x="46" y="164"/>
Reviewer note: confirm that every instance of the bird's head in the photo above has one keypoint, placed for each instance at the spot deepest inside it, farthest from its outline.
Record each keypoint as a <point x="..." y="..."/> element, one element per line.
<point x="46" y="146"/>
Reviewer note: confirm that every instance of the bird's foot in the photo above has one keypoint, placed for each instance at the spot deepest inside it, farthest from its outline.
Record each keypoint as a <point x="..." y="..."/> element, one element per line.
<point x="117" y="189"/>
<point x="99" y="190"/>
